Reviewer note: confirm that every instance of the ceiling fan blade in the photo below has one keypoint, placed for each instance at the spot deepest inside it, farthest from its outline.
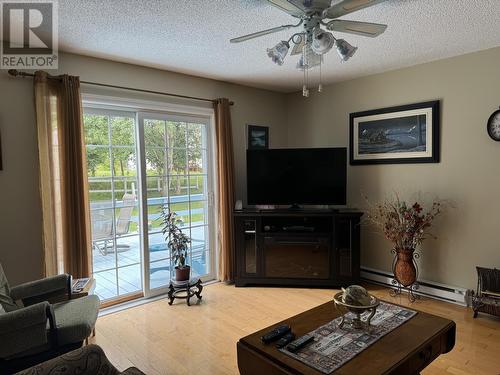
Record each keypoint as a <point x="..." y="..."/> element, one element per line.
<point x="311" y="6"/>
<point x="287" y="7"/>
<point x="260" y="33"/>
<point x="368" y="29"/>
<point x="348" y="6"/>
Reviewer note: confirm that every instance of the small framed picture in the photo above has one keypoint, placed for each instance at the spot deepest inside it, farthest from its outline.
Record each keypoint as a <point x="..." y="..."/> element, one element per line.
<point x="395" y="135"/>
<point x="257" y="137"/>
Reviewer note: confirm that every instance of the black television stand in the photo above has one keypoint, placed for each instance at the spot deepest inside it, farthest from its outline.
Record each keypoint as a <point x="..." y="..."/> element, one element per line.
<point x="305" y="247"/>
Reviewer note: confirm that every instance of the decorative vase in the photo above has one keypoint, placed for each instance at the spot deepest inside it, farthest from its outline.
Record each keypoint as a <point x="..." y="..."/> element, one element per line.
<point x="182" y="274"/>
<point x="404" y="268"/>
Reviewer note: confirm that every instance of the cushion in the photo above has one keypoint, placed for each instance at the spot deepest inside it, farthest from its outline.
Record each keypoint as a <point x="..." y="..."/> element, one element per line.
<point x="75" y="319"/>
<point x="4" y="284"/>
<point x="6" y="302"/>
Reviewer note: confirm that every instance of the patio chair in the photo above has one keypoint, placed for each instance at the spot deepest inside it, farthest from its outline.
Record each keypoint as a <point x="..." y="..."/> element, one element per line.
<point x="102" y="230"/>
<point x="102" y="227"/>
<point x="33" y="330"/>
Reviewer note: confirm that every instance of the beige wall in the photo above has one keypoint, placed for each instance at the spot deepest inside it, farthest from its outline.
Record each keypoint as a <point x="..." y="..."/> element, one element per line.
<point x="20" y="214"/>
<point x="469" y="171"/>
<point x="20" y="218"/>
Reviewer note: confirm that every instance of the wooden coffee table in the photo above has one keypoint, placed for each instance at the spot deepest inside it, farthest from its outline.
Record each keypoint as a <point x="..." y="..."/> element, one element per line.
<point x="406" y="350"/>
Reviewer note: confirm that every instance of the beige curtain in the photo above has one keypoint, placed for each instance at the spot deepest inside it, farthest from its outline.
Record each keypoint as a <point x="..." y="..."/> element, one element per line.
<point x="63" y="175"/>
<point x="225" y="171"/>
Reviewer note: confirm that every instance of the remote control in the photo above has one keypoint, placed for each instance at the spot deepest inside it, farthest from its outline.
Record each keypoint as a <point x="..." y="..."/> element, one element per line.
<point x="299" y="343"/>
<point x="282" y="342"/>
<point x="275" y="334"/>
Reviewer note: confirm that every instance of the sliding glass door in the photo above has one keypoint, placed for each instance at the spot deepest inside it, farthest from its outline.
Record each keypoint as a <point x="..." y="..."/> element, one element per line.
<point x="138" y="163"/>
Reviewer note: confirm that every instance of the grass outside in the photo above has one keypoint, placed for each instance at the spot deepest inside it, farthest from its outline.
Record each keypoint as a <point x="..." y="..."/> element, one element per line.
<point x="156" y="224"/>
<point x="176" y="207"/>
<point x="195" y="184"/>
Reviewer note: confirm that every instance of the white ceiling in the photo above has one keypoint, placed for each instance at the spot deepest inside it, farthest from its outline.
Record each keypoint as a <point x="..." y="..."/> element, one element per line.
<point x="192" y="36"/>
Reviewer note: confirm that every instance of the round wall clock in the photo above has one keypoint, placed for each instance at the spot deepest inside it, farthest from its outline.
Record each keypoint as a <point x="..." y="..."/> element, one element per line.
<point x="494" y="126"/>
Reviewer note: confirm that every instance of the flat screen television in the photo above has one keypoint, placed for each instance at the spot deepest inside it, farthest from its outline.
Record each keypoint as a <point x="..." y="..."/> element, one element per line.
<point x="307" y="176"/>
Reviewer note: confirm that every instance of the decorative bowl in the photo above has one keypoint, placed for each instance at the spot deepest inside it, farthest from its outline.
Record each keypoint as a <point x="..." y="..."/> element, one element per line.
<point x="356" y="321"/>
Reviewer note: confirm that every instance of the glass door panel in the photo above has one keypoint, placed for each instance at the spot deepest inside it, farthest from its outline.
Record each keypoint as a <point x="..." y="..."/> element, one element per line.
<point x="110" y="138"/>
<point x="176" y="177"/>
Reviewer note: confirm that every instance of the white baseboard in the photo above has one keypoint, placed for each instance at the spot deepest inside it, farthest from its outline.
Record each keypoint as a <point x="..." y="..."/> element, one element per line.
<point x="453" y="294"/>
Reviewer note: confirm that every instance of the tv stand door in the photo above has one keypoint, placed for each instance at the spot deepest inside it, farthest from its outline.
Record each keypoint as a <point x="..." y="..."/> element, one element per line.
<point x="347" y="243"/>
<point x="247" y="245"/>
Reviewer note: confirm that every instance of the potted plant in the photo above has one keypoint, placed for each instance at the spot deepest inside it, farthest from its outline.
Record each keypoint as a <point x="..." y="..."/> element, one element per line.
<point x="177" y="242"/>
<point x="406" y="226"/>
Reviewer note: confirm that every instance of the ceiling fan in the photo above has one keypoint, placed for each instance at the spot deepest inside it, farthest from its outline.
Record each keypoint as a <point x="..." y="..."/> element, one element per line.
<point x="313" y="42"/>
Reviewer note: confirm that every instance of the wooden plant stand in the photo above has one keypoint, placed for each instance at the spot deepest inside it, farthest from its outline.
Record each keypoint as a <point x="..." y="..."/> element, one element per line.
<point x="184" y="290"/>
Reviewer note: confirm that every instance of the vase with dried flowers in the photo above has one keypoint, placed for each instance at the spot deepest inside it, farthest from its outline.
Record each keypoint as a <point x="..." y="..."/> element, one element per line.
<point x="406" y="226"/>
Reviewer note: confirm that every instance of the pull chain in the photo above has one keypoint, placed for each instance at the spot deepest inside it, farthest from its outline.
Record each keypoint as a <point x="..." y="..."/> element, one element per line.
<point x="320" y="86"/>
<point x="305" y="90"/>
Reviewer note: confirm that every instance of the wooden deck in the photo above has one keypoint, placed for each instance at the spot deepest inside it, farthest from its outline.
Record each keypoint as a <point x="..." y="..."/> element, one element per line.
<point x="125" y="267"/>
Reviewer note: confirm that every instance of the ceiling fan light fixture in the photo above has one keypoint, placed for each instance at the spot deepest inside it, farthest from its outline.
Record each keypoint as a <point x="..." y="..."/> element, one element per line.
<point x="279" y="52"/>
<point x="344" y="49"/>
<point x="320" y="22"/>
<point x="322" y="42"/>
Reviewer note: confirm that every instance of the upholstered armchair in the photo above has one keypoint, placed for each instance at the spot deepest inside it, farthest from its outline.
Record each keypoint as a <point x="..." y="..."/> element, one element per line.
<point x="35" y="328"/>
<point x="87" y="360"/>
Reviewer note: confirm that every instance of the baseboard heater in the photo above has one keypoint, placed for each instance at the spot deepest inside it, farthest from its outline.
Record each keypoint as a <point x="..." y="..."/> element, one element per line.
<point x="459" y="296"/>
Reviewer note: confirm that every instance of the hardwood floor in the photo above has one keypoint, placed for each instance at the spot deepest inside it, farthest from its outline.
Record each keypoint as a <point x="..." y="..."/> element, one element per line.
<point x="201" y="339"/>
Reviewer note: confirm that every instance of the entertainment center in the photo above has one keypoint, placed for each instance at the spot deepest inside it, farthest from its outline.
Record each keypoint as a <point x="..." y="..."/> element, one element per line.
<point x="296" y="247"/>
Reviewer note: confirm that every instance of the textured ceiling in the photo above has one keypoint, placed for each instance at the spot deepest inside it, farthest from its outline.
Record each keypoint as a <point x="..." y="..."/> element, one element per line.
<point x="192" y="36"/>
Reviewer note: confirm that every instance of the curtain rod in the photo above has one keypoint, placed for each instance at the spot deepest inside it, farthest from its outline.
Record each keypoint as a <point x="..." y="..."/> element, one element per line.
<point x="17" y="73"/>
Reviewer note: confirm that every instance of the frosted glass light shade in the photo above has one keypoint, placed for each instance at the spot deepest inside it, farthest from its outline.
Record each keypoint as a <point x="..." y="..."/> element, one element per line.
<point x="322" y="42"/>
<point x="311" y="59"/>
<point x="344" y="49"/>
<point x="279" y="52"/>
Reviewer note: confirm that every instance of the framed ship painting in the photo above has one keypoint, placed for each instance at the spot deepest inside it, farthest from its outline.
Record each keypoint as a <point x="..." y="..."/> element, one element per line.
<point x="395" y="135"/>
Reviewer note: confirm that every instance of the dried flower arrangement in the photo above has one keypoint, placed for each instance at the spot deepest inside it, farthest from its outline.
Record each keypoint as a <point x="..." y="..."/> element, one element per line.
<point x="405" y="225"/>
